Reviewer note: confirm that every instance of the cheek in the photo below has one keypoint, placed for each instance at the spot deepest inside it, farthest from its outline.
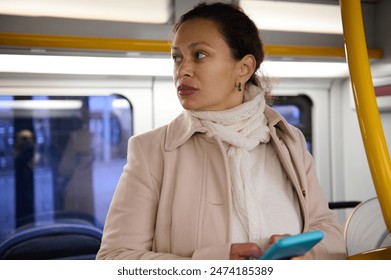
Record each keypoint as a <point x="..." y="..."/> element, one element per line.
<point x="224" y="70"/>
<point x="221" y="77"/>
<point x="219" y="73"/>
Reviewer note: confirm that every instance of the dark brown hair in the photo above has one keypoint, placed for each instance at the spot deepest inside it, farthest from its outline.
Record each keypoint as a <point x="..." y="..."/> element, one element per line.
<point x="237" y="29"/>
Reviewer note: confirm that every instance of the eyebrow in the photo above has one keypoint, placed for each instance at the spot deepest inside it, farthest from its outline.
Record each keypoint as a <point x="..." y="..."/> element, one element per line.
<point x="192" y="45"/>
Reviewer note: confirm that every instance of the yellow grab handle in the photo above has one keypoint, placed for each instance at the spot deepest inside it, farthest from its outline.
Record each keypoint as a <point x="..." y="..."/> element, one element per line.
<point x="365" y="99"/>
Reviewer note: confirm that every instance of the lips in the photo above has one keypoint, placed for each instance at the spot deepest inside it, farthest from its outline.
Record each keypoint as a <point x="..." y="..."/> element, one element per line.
<point x="186" y="89"/>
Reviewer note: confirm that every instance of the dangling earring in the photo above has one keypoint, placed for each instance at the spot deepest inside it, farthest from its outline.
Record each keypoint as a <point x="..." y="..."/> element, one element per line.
<point x="240" y="87"/>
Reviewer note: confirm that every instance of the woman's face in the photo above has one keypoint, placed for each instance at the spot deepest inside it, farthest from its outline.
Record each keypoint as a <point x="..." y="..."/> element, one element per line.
<point x="205" y="74"/>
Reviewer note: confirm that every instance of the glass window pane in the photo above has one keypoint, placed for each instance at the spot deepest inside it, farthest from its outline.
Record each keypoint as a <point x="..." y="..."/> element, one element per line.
<point x="290" y="112"/>
<point x="60" y="157"/>
<point x="297" y="111"/>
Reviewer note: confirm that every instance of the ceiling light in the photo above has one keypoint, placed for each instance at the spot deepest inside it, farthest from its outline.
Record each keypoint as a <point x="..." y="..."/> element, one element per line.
<point x="302" y="69"/>
<point x="291" y="16"/>
<point x="130" y="66"/>
<point x="78" y="65"/>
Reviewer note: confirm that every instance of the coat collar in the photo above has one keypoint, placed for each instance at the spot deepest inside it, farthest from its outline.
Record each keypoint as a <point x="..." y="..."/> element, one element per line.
<point x="276" y="120"/>
<point x="181" y="129"/>
<point x="184" y="126"/>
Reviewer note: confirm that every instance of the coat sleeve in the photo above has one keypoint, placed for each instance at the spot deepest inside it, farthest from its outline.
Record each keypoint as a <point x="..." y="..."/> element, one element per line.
<point x="130" y="224"/>
<point x="319" y="215"/>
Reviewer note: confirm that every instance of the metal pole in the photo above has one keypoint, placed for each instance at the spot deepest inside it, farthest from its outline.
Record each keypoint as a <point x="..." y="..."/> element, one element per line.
<point x="365" y="99"/>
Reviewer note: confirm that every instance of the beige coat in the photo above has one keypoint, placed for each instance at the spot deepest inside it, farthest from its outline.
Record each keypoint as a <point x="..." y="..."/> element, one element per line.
<point x="173" y="199"/>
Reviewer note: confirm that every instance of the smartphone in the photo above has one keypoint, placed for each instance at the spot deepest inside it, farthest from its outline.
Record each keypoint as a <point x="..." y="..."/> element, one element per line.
<point x="292" y="246"/>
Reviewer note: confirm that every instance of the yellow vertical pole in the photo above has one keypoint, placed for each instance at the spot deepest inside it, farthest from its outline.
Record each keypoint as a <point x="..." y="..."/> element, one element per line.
<point x="365" y="99"/>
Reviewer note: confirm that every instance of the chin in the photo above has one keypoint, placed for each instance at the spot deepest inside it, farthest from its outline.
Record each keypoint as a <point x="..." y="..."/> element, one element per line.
<point x="188" y="106"/>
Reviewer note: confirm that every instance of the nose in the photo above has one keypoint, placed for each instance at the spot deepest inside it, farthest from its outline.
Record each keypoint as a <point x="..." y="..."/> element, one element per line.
<point x="184" y="69"/>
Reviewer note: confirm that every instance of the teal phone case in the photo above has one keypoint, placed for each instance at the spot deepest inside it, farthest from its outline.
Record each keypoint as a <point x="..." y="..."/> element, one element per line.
<point x="292" y="246"/>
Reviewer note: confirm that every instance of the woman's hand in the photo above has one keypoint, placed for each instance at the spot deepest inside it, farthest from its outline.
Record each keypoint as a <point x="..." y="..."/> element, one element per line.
<point x="245" y="251"/>
<point x="276" y="237"/>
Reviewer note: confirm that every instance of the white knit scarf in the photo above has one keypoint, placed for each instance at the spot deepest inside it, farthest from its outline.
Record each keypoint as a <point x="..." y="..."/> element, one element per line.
<point x="242" y="128"/>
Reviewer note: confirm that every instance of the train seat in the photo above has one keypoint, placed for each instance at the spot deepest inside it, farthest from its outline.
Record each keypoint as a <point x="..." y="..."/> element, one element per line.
<point x="54" y="241"/>
<point x="365" y="230"/>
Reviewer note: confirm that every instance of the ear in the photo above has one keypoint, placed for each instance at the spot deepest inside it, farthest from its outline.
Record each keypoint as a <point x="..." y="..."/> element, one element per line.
<point x="246" y="67"/>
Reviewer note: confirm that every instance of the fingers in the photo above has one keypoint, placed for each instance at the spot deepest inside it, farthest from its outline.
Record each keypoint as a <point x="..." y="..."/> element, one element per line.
<point x="243" y="251"/>
<point x="273" y="239"/>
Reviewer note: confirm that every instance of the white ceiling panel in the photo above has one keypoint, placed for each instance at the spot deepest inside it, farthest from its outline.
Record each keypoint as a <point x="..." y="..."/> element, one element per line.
<point x="151" y="11"/>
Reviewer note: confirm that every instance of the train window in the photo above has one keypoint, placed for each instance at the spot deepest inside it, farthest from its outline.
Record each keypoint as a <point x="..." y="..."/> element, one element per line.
<point x="297" y="111"/>
<point x="60" y="157"/>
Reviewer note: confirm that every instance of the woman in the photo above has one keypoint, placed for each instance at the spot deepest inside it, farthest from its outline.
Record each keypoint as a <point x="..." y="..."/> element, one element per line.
<point x="229" y="176"/>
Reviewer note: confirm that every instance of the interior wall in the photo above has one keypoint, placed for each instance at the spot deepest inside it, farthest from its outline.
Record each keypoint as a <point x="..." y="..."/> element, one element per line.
<point x="357" y="178"/>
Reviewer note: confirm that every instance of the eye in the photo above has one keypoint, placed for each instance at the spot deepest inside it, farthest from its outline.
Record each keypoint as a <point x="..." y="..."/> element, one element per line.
<point x="176" y="58"/>
<point x="199" y="55"/>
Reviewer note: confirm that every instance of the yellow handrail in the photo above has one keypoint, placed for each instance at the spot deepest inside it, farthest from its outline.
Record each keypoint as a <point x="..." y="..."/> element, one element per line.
<point x="82" y="42"/>
<point x="365" y="99"/>
<point x="314" y="51"/>
<point x="125" y="44"/>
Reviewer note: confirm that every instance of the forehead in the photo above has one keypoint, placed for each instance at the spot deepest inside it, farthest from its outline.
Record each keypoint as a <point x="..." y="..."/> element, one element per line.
<point x="197" y="30"/>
